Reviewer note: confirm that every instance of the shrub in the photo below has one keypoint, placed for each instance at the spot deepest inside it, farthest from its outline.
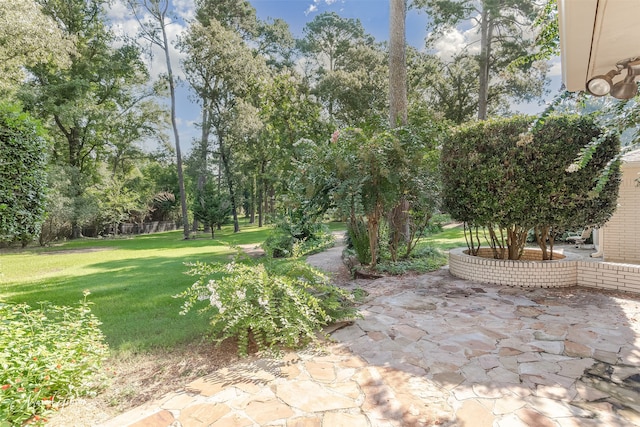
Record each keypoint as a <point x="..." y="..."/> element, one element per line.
<point x="48" y="355"/>
<point x="497" y="176"/>
<point x="297" y="235"/>
<point x="212" y="208"/>
<point x="358" y="240"/>
<point x="273" y="304"/>
<point x="23" y="156"/>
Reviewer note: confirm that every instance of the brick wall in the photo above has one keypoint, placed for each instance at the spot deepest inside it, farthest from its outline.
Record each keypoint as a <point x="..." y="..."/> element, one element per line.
<point x="620" y="236"/>
<point x="609" y="275"/>
<point x="548" y="274"/>
<point x="570" y="271"/>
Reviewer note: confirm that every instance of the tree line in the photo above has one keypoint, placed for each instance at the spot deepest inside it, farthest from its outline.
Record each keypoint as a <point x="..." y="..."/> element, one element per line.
<point x="262" y="93"/>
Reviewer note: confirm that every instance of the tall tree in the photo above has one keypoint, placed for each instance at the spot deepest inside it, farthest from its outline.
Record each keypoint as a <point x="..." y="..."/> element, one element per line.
<point x="502" y="27"/>
<point x="345" y="66"/>
<point x="223" y="71"/>
<point x="449" y="88"/>
<point x="29" y="37"/>
<point x="270" y="39"/>
<point x="238" y="16"/>
<point x="154" y="30"/>
<point x="399" y="214"/>
<point x="328" y="38"/>
<point x="81" y="102"/>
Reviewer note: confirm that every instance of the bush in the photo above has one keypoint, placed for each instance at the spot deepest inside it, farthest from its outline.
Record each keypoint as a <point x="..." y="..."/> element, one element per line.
<point x="498" y="176"/>
<point x="295" y="236"/>
<point x="48" y="356"/>
<point x="421" y="260"/>
<point x="23" y="156"/>
<point x="358" y="240"/>
<point x="273" y="304"/>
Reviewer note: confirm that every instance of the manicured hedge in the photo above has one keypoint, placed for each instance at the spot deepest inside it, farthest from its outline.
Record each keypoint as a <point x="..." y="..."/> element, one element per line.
<point x="496" y="175"/>
<point x="23" y="159"/>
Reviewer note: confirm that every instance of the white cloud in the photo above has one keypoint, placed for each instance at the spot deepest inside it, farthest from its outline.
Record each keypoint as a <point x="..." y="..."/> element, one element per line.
<point x="555" y="67"/>
<point x="314" y="6"/>
<point x="185" y="9"/>
<point x="125" y="24"/>
<point x="118" y="11"/>
<point x="455" y="41"/>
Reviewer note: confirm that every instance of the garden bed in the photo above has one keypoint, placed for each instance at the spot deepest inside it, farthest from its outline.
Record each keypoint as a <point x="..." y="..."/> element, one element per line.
<point x="530" y="271"/>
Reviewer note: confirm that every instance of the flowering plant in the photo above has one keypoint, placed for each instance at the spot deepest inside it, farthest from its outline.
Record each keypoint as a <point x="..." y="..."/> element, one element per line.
<point x="48" y="355"/>
<point x="275" y="304"/>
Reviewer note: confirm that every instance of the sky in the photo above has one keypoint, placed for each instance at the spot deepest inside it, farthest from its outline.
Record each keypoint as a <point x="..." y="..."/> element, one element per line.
<point x="373" y="14"/>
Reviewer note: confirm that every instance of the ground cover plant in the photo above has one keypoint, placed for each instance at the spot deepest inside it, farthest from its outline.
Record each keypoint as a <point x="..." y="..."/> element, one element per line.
<point x="48" y="355"/>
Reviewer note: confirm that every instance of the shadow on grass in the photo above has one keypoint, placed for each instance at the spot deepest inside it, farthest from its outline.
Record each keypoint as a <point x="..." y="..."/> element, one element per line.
<point x="133" y="298"/>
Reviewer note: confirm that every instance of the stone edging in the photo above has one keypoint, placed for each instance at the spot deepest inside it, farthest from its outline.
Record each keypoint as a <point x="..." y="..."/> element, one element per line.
<point x="570" y="271"/>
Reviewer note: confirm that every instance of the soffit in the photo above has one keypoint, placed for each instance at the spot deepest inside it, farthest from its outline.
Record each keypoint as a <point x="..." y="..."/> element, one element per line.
<point x="594" y="36"/>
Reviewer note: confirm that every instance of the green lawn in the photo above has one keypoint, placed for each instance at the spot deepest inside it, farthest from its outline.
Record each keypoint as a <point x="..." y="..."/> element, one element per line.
<point x="446" y="239"/>
<point x="132" y="280"/>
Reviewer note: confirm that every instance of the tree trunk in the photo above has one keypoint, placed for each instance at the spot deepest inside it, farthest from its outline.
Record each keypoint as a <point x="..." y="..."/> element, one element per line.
<point x="252" y="201"/>
<point x="232" y="194"/>
<point x="74" y="144"/>
<point x="398" y="217"/>
<point x="174" y="124"/>
<point x="204" y="149"/>
<point x="397" y="64"/>
<point x="260" y="208"/>
<point x="486" y="35"/>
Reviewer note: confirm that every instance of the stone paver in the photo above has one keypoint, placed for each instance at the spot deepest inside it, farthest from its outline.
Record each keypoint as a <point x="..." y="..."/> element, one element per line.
<point x="436" y="350"/>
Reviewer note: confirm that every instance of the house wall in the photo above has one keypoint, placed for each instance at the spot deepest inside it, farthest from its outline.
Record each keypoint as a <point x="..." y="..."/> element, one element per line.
<point x="620" y="236"/>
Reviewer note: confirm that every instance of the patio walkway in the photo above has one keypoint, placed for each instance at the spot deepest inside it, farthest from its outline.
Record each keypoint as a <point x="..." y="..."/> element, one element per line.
<point x="435" y="350"/>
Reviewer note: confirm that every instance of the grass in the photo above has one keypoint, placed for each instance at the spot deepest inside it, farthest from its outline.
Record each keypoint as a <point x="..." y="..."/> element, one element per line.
<point x="131" y="280"/>
<point x="154" y="350"/>
<point x="447" y="239"/>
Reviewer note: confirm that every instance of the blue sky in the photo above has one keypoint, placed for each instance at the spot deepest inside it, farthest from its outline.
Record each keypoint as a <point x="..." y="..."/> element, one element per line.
<point x="373" y="14"/>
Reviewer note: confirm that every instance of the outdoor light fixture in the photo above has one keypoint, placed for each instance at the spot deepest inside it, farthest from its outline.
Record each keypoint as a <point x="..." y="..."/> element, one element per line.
<point x="625" y="89"/>
<point x="601" y="85"/>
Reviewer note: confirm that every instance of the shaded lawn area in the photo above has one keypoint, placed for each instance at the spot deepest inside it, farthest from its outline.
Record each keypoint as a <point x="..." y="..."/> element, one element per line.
<point x="131" y="280"/>
<point x="447" y="239"/>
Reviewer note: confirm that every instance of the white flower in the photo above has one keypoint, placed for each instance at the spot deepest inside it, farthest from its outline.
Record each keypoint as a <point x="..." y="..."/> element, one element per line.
<point x="573" y="167"/>
<point x="240" y="294"/>
<point x="215" y="302"/>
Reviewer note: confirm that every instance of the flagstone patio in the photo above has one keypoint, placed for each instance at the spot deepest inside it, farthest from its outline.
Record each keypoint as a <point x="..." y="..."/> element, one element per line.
<point x="435" y="350"/>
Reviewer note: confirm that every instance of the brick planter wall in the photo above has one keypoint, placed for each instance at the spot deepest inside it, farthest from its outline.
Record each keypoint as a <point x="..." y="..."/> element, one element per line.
<point x="569" y="271"/>
<point x="609" y="275"/>
<point x="542" y="274"/>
